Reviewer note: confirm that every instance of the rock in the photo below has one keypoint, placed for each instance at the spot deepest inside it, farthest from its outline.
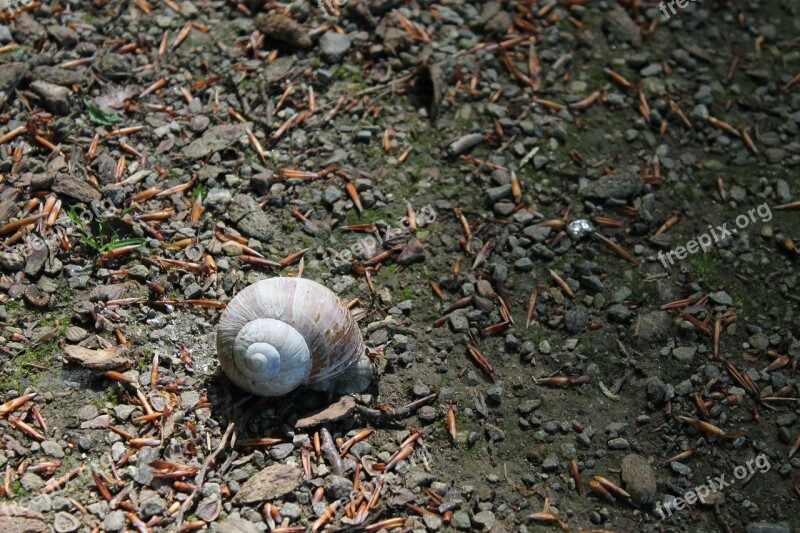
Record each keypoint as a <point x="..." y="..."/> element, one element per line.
<point x="28" y="31"/>
<point x="432" y="522"/>
<point x="639" y="479"/>
<point x="620" y="184"/>
<point x="58" y="76"/>
<point x="75" y="188"/>
<point x="550" y="464"/>
<point x="413" y="252"/>
<point x="427" y="414"/>
<point x="100" y="360"/>
<point x="87" y="412"/>
<point x="53" y="449"/>
<point x="537" y="233"/>
<point x="338" y="487"/>
<point x="152" y="506"/>
<point x="11" y="261"/>
<point x="759" y="341"/>
<point x="654" y="327"/>
<point x="65" y="523"/>
<point x="576" y="320"/>
<point x="333" y="413"/>
<point x="619" y="313"/>
<point x="464" y="143"/>
<point x="485" y="520"/>
<point x="767" y="527"/>
<point x="684" y="354"/>
<point x="65" y="36"/>
<point x="144" y="472"/>
<point x="54" y="97"/>
<point x="31" y="482"/>
<point x="10" y="76"/>
<point x="15" y="518"/>
<point x="281" y="28"/>
<point x="459" y="322"/>
<point x="281" y="451"/>
<point x="209" y="508"/>
<point x="114" y="521"/>
<point x="237" y="525"/>
<point x="461" y="521"/>
<point x="114" y="66"/>
<point x="214" y="140"/>
<point x="620" y="25"/>
<point x="334" y="46"/>
<point x="273" y="482"/>
<point x="249" y="218"/>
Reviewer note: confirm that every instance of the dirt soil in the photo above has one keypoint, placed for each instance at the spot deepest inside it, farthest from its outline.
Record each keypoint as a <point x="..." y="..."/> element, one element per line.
<point x="567" y="232"/>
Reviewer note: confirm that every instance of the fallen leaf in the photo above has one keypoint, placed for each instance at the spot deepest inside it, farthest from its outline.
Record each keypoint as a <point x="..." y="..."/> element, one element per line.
<point x="100" y="360"/>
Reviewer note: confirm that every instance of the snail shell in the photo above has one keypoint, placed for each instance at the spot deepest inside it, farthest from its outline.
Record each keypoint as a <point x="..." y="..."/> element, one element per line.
<point x="280" y="333"/>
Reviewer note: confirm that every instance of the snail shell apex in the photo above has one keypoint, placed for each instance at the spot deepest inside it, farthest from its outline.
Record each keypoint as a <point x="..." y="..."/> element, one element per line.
<point x="280" y="333"/>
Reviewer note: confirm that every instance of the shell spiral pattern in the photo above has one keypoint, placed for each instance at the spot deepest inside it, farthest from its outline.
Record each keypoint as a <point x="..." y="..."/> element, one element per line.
<point x="280" y="333"/>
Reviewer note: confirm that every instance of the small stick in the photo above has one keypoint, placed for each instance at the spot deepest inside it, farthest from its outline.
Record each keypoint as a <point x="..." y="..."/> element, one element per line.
<point x="201" y="476"/>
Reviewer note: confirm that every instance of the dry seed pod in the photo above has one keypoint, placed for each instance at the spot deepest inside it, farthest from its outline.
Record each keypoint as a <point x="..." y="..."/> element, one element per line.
<point x="281" y="333"/>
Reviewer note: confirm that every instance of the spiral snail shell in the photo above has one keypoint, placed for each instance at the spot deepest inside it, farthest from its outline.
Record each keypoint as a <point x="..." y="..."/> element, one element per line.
<point x="280" y="333"/>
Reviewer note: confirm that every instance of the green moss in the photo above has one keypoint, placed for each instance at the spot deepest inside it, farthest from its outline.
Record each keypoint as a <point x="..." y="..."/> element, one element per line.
<point x="16" y="374"/>
<point x="112" y="395"/>
<point x="405" y="294"/>
<point x="367" y="216"/>
<point x="352" y="75"/>
<point x="706" y="266"/>
<point x="13" y="305"/>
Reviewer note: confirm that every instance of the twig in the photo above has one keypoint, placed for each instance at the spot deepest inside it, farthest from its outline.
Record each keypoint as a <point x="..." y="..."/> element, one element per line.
<point x="198" y="481"/>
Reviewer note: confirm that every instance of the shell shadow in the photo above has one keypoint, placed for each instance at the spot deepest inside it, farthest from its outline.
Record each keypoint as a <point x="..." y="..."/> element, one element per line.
<point x="257" y="417"/>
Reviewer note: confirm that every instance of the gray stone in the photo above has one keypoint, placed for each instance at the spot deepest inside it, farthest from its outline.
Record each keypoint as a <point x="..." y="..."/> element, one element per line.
<point x="576" y="320"/>
<point x="485" y="520"/>
<point x="53" y="449"/>
<point x="249" y="218"/>
<point x="334" y="46"/>
<point x="144" y="472"/>
<point x="11" y="261"/>
<point x="621" y="184"/>
<point x="767" y="527"/>
<point x="461" y="521"/>
<point x="273" y="482"/>
<point x="721" y="298"/>
<point x="619" y="313"/>
<point x="684" y="354"/>
<point x="213" y="140"/>
<point x="31" y="482"/>
<point x="281" y="451"/>
<point x="639" y="479"/>
<point x="87" y="412"/>
<point x="54" y="97"/>
<point x="99" y="422"/>
<point x="338" y="487"/>
<point x="550" y="464"/>
<point x="619" y="444"/>
<point x="114" y="521"/>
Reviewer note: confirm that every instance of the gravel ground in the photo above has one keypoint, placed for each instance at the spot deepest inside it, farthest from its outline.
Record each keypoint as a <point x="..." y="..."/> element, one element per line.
<point x="567" y="231"/>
